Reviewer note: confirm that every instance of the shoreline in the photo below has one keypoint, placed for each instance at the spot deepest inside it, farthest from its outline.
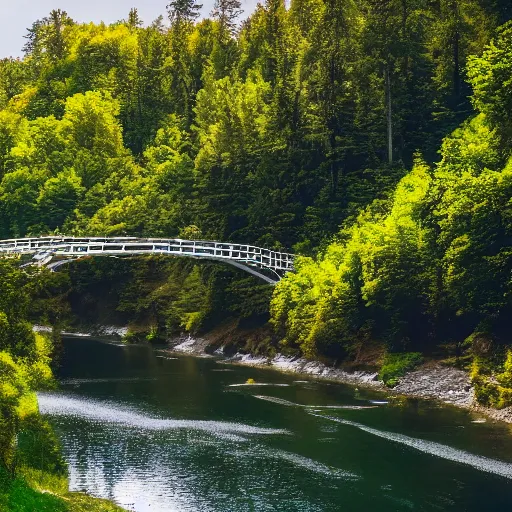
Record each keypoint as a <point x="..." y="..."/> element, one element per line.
<point x="430" y="381"/>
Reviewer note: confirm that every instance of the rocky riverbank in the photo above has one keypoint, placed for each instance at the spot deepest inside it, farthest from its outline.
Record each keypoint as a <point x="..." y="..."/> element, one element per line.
<point x="430" y="381"/>
<point x="98" y="331"/>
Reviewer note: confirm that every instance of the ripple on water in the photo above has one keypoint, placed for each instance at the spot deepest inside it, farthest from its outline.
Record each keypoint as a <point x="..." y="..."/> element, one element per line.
<point x="261" y="452"/>
<point x="282" y="401"/>
<point x="276" y="400"/>
<point x="346" y="407"/>
<point x="105" y="380"/>
<point x="62" y="405"/>
<point x="479" y="462"/>
<point x="256" y="384"/>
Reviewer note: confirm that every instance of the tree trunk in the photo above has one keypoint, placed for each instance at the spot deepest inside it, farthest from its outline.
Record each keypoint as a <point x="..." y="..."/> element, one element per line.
<point x="389" y="115"/>
<point x="456" y="64"/>
<point x="456" y="51"/>
<point x="334" y="165"/>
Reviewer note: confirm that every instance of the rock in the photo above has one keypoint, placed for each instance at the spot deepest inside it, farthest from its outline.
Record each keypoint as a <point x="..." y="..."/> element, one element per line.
<point x="438" y="382"/>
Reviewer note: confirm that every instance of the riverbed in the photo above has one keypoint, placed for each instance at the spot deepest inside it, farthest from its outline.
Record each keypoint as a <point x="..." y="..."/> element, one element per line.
<point x="156" y="432"/>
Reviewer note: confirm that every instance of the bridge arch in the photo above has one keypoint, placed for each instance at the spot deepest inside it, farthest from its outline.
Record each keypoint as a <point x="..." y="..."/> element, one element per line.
<point x="263" y="263"/>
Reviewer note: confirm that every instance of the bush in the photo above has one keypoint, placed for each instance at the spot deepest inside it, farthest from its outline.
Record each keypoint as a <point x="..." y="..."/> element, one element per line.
<point x="491" y="394"/>
<point x="492" y="390"/>
<point x="486" y="393"/>
<point x="505" y="378"/>
<point x="505" y="398"/>
<point x="397" y="365"/>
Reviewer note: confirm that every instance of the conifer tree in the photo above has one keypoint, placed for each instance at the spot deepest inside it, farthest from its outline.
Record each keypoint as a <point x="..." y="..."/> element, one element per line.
<point x="134" y="20"/>
<point x="183" y="11"/>
<point x="226" y="12"/>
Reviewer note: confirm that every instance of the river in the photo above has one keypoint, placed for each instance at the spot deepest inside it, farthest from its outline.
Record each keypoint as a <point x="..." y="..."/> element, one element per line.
<point x="159" y="433"/>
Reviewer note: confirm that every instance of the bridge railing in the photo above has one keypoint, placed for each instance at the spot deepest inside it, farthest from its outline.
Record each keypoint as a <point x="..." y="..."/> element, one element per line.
<point x="82" y="246"/>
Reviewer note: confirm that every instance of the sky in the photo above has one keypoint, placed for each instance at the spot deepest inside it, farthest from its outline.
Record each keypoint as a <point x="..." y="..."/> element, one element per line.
<point x="17" y="15"/>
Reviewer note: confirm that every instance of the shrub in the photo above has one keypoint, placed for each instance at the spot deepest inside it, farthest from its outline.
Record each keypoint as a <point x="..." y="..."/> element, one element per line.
<point x="397" y="365"/>
<point x="489" y="390"/>
<point x="505" y="397"/>
<point x="505" y="378"/>
<point x="129" y="337"/>
<point x="486" y="393"/>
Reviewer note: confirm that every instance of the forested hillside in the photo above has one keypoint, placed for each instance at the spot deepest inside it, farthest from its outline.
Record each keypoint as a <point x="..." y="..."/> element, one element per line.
<point x="369" y="136"/>
<point x="274" y="132"/>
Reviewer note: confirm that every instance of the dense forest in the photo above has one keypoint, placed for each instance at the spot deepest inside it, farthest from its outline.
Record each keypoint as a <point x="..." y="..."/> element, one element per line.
<point x="370" y="137"/>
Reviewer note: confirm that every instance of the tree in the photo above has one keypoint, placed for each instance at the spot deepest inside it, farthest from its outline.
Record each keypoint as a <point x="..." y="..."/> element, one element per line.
<point x="13" y="77"/>
<point x="183" y="12"/>
<point x="459" y="28"/>
<point x="90" y="123"/>
<point x="226" y="12"/>
<point x="18" y="194"/>
<point x="134" y="20"/>
<point x="46" y="38"/>
<point x="58" y="198"/>
<point x="489" y="75"/>
<point x="231" y="131"/>
<point x="336" y="50"/>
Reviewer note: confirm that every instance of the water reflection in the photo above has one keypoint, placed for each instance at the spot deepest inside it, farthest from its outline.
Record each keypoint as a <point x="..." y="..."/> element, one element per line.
<point x="179" y="435"/>
<point x="160" y="464"/>
<point x="62" y="405"/>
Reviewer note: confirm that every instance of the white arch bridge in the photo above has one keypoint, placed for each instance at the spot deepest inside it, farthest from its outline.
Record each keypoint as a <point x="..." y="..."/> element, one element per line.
<point x="263" y="263"/>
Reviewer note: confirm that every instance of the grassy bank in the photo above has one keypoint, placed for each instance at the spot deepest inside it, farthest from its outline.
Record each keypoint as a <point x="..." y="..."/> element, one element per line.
<point x="34" y="490"/>
<point x="37" y="479"/>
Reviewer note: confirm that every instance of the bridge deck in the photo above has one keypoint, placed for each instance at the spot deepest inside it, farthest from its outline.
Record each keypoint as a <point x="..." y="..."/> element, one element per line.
<point x="45" y="248"/>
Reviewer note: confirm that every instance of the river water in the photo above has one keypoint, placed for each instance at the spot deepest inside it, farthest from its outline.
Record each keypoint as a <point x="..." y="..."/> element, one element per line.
<point x="160" y="433"/>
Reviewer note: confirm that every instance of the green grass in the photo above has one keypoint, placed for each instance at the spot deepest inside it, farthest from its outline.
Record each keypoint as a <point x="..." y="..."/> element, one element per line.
<point x="22" y="498"/>
<point x="397" y="365"/>
<point x="34" y="491"/>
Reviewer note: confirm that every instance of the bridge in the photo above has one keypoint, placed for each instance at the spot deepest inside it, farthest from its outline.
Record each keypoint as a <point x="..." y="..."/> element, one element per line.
<point x="263" y="263"/>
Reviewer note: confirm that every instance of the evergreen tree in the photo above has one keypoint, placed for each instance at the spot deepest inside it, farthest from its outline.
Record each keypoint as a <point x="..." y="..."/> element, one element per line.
<point x="226" y="12"/>
<point x="183" y="11"/>
<point x="134" y="20"/>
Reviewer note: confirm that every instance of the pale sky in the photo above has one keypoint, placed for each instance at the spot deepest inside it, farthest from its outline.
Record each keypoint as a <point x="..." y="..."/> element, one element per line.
<point x="18" y="15"/>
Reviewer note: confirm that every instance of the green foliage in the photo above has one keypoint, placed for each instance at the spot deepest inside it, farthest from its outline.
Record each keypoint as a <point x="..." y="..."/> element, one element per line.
<point x="30" y="458"/>
<point x="297" y="130"/>
<point x="395" y="366"/>
<point x="505" y="378"/>
<point x="492" y="389"/>
<point x="158" y="297"/>
<point x="272" y="134"/>
<point x="22" y="498"/>
<point x="373" y="281"/>
<point x="38" y="447"/>
<point x="24" y="361"/>
<point x="492" y="380"/>
<point x="430" y="264"/>
<point x="489" y="75"/>
<point x="46" y="491"/>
